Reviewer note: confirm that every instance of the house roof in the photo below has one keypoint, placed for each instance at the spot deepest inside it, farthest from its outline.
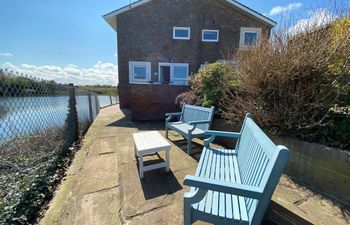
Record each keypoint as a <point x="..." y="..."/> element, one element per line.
<point x="110" y="18"/>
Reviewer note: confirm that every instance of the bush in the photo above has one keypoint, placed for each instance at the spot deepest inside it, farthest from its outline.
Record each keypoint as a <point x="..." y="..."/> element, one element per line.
<point x="292" y="84"/>
<point x="296" y="84"/>
<point x="208" y="86"/>
<point x="189" y="98"/>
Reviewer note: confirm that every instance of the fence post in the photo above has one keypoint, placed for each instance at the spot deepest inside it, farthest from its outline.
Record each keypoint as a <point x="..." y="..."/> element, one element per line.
<point x="97" y="105"/>
<point x="90" y="108"/>
<point x="110" y="99"/>
<point x="71" y="134"/>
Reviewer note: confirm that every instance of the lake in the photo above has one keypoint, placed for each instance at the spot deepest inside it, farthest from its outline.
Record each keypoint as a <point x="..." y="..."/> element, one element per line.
<point x="22" y="116"/>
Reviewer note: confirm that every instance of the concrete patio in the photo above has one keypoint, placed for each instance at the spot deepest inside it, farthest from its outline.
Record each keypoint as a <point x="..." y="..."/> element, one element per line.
<point x="102" y="185"/>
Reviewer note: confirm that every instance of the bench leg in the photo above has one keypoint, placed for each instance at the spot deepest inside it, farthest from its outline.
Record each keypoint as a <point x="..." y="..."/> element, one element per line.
<point x="191" y="198"/>
<point x="189" y="145"/>
<point x="166" y="130"/>
<point x="187" y="213"/>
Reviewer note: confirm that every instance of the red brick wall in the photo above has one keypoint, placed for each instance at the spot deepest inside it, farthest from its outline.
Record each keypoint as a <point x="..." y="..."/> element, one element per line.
<point x="124" y="96"/>
<point x="151" y="102"/>
<point x="145" y="34"/>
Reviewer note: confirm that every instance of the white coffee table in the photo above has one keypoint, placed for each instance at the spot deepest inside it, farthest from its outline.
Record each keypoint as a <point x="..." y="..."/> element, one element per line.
<point x="150" y="142"/>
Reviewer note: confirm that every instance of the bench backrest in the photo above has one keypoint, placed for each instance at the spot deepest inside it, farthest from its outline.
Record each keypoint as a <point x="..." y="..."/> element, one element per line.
<point x="261" y="164"/>
<point x="196" y="113"/>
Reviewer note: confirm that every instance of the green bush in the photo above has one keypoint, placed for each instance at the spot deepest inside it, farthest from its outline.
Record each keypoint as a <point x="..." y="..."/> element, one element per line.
<point x="208" y="86"/>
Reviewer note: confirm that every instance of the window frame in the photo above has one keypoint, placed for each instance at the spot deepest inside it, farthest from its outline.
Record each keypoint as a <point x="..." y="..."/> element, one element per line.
<point x="132" y="65"/>
<point x="175" y="81"/>
<point x="182" y="28"/>
<point x="210" y="40"/>
<point x="245" y="30"/>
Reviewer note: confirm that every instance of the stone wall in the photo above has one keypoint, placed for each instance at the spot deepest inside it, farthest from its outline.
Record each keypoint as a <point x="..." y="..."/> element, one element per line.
<point x="324" y="169"/>
<point x="151" y="102"/>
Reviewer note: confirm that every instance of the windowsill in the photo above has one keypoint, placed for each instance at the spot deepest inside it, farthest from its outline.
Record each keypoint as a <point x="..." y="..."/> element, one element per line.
<point x="139" y="82"/>
<point x="210" y="41"/>
<point x="182" y="39"/>
<point x="161" y="83"/>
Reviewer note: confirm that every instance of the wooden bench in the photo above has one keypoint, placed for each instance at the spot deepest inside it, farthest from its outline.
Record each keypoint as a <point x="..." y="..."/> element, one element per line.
<point x="193" y="123"/>
<point x="235" y="186"/>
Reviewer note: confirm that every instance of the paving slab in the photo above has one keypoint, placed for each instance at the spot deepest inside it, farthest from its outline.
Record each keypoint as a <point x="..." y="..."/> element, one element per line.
<point x="102" y="185"/>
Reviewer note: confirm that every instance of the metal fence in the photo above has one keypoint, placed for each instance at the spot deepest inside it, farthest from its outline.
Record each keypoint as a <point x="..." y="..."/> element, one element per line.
<point x="39" y="122"/>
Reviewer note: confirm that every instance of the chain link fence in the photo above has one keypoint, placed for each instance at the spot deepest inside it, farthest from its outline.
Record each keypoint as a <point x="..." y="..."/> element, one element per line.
<point x="39" y="123"/>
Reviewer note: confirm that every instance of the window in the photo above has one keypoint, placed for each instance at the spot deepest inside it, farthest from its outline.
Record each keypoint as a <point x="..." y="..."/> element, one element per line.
<point x="180" y="72"/>
<point x="139" y="72"/>
<point x="249" y="37"/>
<point x="175" y="73"/>
<point x="210" y="35"/>
<point x="182" y="33"/>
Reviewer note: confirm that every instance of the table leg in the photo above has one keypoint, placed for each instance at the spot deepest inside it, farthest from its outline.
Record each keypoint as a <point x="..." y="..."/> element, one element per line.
<point x="141" y="165"/>
<point x="167" y="160"/>
<point x="135" y="151"/>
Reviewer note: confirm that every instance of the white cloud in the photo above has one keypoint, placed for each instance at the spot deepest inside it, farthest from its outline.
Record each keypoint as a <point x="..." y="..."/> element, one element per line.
<point x="286" y="8"/>
<point x="6" y="54"/>
<point x="100" y="73"/>
<point x="315" y="19"/>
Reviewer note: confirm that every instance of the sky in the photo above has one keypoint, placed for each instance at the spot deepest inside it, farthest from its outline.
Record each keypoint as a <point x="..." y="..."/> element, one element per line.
<point x="69" y="42"/>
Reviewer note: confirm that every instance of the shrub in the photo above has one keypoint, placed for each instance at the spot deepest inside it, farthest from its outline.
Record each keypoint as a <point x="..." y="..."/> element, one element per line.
<point x="292" y="83"/>
<point x="189" y="98"/>
<point x="209" y="84"/>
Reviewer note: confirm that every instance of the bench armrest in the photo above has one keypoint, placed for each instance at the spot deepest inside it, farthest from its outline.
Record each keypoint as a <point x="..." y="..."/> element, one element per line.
<point x="222" y="134"/>
<point x="198" y="122"/>
<point x="195" y="123"/>
<point x="170" y="115"/>
<point x="213" y="134"/>
<point x="223" y="186"/>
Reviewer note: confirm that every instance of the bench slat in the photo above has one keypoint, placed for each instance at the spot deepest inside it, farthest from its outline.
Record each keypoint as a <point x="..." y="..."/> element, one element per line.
<point x="206" y="175"/>
<point x="228" y="179"/>
<point x="252" y="164"/>
<point x="204" y="166"/>
<point x="236" y="211"/>
<point x="222" y="202"/>
<point x="242" y="205"/>
<point x="209" y="204"/>
<point x="217" y="177"/>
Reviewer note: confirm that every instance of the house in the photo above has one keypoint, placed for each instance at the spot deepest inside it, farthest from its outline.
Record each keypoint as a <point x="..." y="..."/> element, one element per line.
<point x="163" y="42"/>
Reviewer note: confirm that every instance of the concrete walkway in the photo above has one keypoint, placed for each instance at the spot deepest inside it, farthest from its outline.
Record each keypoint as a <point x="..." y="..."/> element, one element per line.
<point x="102" y="186"/>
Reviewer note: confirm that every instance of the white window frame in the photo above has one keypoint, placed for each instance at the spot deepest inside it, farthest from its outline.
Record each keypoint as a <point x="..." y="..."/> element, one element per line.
<point x="175" y="81"/>
<point x="248" y="30"/>
<point x="133" y="64"/>
<point x="210" y="40"/>
<point x="182" y="28"/>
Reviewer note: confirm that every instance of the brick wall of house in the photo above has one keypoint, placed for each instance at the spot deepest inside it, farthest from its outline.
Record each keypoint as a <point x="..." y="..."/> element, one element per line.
<point x="151" y="102"/>
<point x="145" y="34"/>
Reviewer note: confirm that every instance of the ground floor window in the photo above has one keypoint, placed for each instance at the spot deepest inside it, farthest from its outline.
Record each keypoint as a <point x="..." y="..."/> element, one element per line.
<point x="139" y="72"/>
<point x="174" y="73"/>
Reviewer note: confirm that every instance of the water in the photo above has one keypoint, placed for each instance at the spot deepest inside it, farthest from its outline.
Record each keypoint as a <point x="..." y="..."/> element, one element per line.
<point x="22" y="116"/>
<point x="105" y="100"/>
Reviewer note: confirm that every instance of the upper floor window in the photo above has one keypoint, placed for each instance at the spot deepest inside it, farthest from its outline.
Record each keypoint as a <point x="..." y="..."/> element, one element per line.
<point x="210" y="35"/>
<point x="249" y="37"/>
<point x="139" y="72"/>
<point x="182" y="33"/>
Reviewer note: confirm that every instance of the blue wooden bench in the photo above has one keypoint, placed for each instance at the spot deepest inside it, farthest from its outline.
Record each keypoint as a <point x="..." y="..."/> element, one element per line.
<point x="194" y="121"/>
<point x="235" y="186"/>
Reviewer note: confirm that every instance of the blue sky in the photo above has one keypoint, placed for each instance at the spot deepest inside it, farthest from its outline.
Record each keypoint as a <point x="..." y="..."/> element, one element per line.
<point x="67" y="40"/>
